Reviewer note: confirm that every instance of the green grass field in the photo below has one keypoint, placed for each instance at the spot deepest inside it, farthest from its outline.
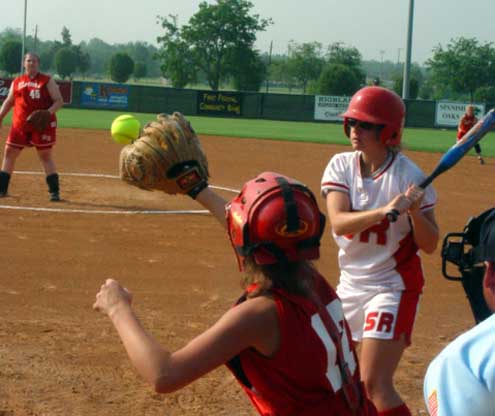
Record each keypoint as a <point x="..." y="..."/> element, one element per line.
<point x="428" y="140"/>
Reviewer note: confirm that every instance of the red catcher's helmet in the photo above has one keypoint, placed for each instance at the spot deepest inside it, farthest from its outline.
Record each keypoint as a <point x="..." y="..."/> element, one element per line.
<point x="275" y="219"/>
<point x="381" y="106"/>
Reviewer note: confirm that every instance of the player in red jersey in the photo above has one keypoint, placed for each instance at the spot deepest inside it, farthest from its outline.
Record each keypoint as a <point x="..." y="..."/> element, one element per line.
<point x="31" y="92"/>
<point x="467" y="121"/>
<point x="286" y="339"/>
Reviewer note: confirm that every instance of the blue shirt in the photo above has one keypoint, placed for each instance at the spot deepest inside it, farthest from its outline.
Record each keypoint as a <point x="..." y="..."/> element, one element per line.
<point x="461" y="379"/>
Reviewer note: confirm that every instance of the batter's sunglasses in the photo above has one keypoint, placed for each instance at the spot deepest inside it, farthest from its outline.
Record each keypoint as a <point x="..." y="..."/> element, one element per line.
<point x="365" y="125"/>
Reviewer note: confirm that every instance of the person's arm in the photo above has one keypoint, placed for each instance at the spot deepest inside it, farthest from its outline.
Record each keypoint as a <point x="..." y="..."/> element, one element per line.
<point x="7" y="104"/>
<point x="253" y="323"/>
<point x="344" y="221"/>
<point x="55" y="95"/>
<point x="213" y="203"/>
<point x="425" y="228"/>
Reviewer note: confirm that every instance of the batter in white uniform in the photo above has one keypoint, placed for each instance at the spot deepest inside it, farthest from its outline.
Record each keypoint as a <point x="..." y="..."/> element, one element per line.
<point x="381" y="275"/>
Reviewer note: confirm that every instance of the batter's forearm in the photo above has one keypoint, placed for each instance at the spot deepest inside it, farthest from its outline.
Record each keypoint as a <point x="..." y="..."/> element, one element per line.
<point x="354" y="222"/>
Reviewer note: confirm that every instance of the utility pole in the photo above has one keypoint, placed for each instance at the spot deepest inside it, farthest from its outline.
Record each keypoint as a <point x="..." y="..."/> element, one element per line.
<point x="268" y="66"/>
<point x="382" y="52"/>
<point x="407" y="63"/>
<point x="24" y="36"/>
<point x="35" y="48"/>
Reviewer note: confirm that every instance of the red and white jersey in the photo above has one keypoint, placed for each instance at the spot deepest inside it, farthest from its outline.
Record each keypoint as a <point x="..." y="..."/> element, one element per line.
<point x="30" y="94"/>
<point x="302" y="378"/>
<point x="384" y="255"/>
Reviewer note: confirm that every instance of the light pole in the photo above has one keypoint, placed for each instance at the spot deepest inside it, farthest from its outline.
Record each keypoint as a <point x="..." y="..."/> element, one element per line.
<point x="407" y="63"/>
<point x="382" y="52"/>
<point x="268" y="66"/>
<point x="24" y="35"/>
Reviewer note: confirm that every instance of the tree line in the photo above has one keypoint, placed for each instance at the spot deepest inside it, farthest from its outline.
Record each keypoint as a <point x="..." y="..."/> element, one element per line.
<point x="216" y="47"/>
<point x="94" y="58"/>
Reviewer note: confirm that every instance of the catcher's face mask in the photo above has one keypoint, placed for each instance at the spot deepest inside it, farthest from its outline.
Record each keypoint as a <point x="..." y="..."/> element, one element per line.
<point x="486" y="250"/>
<point x="274" y="219"/>
<point x="472" y="247"/>
<point x="473" y="252"/>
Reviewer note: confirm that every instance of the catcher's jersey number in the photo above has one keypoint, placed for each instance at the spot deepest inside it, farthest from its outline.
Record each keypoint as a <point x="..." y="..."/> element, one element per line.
<point x="337" y="314"/>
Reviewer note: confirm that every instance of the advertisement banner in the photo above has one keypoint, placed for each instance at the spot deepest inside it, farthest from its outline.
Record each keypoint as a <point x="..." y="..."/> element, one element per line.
<point x="97" y="95"/>
<point x="328" y="107"/>
<point x="448" y="114"/>
<point x="220" y="103"/>
<point x="65" y="89"/>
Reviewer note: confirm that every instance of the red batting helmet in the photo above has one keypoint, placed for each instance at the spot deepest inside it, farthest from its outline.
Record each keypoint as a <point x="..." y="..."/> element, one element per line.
<point x="275" y="219"/>
<point x="381" y="106"/>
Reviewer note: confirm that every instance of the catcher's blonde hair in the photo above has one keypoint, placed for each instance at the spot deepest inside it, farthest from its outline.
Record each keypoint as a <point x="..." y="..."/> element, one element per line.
<point x="294" y="277"/>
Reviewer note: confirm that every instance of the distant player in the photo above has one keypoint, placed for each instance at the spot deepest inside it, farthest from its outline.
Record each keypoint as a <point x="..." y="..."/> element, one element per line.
<point x="381" y="276"/>
<point x="461" y="379"/>
<point x="467" y="121"/>
<point x="286" y="339"/>
<point x="34" y="96"/>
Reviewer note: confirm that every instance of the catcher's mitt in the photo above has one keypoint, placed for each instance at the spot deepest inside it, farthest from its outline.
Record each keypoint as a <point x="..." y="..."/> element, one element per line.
<point x="167" y="157"/>
<point x="39" y="119"/>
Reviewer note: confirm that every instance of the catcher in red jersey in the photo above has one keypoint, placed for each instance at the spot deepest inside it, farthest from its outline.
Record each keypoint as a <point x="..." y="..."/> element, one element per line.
<point x="467" y="121"/>
<point x="35" y="98"/>
<point x="286" y="339"/>
<point x="381" y="277"/>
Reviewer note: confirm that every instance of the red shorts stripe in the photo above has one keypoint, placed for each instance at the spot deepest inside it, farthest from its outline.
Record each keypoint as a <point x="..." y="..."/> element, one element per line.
<point x="406" y="315"/>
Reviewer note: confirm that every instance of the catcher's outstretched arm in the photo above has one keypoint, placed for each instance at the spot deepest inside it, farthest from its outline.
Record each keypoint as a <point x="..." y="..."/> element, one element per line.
<point x="213" y="203"/>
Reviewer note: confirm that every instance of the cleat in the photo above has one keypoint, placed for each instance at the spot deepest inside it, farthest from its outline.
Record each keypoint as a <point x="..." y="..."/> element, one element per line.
<point x="3" y="194"/>
<point x="482" y="162"/>
<point x="54" y="197"/>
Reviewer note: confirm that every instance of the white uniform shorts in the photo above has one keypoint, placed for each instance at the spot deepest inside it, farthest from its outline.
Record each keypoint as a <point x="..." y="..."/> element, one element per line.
<point x="378" y="313"/>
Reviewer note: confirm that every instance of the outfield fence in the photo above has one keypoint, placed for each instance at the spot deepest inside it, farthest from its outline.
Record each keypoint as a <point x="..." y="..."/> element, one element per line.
<point x="285" y="107"/>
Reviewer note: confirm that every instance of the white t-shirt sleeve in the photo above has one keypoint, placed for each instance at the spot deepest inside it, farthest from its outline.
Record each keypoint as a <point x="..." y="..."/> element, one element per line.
<point x="335" y="177"/>
<point x="461" y="379"/>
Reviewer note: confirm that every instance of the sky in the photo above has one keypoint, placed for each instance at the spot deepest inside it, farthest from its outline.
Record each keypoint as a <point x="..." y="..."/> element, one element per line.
<point x="377" y="28"/>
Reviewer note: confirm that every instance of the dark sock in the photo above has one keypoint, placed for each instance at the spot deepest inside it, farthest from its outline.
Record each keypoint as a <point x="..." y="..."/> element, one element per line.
<point x="4" y="182"/>
<point x="52" y="181"/>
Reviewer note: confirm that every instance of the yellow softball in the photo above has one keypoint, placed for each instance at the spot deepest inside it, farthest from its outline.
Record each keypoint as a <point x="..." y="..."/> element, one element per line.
<point x="125" y="129"/>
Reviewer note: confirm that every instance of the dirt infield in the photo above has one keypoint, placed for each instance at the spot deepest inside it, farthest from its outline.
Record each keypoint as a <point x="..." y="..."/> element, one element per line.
<point x="58" y="357"/>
